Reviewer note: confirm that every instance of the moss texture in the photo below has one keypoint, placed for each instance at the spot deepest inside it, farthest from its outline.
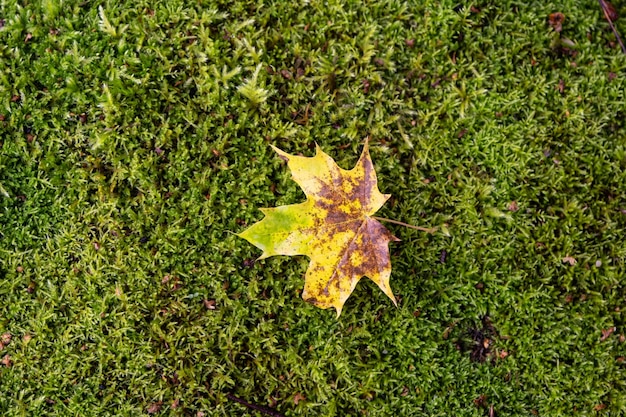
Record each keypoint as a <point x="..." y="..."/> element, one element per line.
<point x="135" y="141"/>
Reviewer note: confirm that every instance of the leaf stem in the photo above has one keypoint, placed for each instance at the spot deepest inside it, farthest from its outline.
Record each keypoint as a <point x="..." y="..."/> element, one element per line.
<point x="423" y="229"/>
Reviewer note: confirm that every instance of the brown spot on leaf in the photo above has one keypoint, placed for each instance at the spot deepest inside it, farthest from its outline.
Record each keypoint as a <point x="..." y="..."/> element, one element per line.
<point x="311" y="300"/>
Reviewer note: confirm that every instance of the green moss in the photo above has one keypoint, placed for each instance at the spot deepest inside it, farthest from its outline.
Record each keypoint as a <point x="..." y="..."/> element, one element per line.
<point x="134" y="141"/>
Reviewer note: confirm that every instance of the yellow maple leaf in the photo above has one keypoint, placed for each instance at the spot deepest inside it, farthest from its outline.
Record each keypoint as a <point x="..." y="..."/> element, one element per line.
<point x="333" y="227"/>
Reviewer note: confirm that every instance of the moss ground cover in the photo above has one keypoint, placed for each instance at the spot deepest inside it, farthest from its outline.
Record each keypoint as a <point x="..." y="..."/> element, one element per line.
<point x="134" y="141"/>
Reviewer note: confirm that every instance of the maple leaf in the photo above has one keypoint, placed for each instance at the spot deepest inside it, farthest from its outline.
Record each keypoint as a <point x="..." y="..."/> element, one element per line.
<point x="333" y="227"/>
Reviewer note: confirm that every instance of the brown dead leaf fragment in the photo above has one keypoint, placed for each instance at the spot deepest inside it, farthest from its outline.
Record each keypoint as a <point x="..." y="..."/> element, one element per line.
<point x="6" y="361"/>
<point x="154" y="407"/>
<point x="334" y="227"/>
<point x="556" y="21"/>
<point x="569" y="260"/>
<point x="481" y="401"/>
<point x="606" y="333"/>
<point x="298" y="397"/>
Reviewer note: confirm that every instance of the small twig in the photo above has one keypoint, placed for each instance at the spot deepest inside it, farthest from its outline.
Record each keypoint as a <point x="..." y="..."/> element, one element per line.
<point x="256" y="407"/>
<point x="423" y="229"/>
<point x="608" y="18"/>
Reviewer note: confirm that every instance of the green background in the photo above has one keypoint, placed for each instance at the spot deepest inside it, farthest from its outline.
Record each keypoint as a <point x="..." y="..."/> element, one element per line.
<point x="135" y="143"/>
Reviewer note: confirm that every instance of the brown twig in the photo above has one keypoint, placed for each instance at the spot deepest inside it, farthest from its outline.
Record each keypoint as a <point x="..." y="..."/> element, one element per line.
<point x="260" y="408"/>
<point x="605" y="10"/>
<point x="423" y="229"/>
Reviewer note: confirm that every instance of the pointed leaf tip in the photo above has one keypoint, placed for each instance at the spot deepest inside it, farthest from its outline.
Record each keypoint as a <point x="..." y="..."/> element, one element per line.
<point x="366" y="144"/>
